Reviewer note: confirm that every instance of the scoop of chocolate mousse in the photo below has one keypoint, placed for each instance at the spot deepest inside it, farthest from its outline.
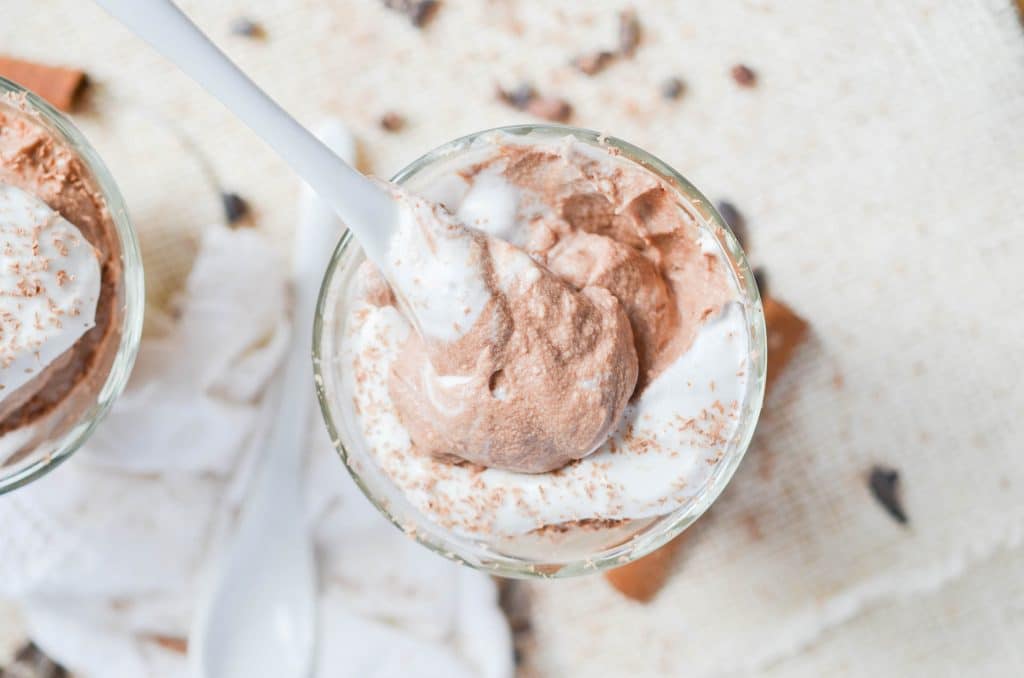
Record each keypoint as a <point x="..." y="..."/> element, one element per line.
<point x="588" y="260"/>
<point x="541" y="379"/>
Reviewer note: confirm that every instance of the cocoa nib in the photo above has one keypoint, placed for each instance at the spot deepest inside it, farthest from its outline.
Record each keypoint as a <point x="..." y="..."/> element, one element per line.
<point x="593" y="63"/>
<point x="672" y="88"/>
<point x="734" y="218"/>
<point x="247" y="28"/>
<point x="235" y="207"/>
<point x="885" y="484"/>
<point x="743" y="75"/>
<point x="525" y="98"/>
<point x="392" y="122"/>
<point x="761" y="280"/>
<point x="31" y="661"/>
<point x="518" y="97"/>
<point x="629" y="32"/>
<point x="419" y="12"/>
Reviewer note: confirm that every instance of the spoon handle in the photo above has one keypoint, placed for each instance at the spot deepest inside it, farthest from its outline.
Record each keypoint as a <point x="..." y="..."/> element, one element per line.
<point x="364" y="207"/>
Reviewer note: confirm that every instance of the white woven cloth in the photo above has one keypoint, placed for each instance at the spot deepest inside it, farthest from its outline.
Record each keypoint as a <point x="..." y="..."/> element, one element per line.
<point x="105" y="556"/>
<point x="880" y="163"/>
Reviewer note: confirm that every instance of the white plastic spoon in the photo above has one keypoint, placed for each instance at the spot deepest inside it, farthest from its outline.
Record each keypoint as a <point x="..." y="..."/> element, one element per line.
<point x="365" y="207"/>
<point x="259" y="616"/>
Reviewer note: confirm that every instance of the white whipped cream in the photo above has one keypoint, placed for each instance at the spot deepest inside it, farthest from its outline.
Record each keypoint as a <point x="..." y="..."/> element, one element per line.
<point x="434" y="263"/>
<point x="432" y="259"/>
<point x="49" y="287"/>
<point x="490" y="204"/>
<point x="662" y="455"/>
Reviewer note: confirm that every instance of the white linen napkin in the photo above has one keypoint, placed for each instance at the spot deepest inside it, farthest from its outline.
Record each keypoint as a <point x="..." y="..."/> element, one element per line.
<point x="105" y="555"/>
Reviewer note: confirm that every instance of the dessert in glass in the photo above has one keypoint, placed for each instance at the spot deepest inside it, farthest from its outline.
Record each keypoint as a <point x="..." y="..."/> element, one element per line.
<point x="71" y="288"/>
<point x="578" y="400"/>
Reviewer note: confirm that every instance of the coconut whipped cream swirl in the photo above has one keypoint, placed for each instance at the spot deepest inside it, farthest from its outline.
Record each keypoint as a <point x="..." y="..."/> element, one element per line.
<point x="49" y="287"/>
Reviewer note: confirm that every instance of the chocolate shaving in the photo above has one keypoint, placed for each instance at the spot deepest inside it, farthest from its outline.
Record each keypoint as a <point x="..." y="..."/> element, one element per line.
<point x="60" y="87"/>
<point x="629" y="32"/>
<point x="643" y="578"/>
<point x="392" y="122"/>
<point x="420" y="12"/>
<point x="785" y="332"/>
<point x="235" y="207"/>
<point x="743" y="75"/>
<point x="734" y="218"/>
<point x="672" y="88"/>
<point x="525" y="98"/>
<point x="172" y="643"/>
<point x="593" y="63"/>
<point x="885" y="484"/>
<point x="247" y="28"/>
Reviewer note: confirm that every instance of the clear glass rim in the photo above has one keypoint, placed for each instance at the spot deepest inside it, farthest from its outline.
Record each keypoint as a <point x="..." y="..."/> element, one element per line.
<point x="666" y="527"/>
<point x="132" y="281"/>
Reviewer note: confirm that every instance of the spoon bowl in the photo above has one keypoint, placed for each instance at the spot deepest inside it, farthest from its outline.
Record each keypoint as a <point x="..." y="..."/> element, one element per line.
<point x="258" y="617"/>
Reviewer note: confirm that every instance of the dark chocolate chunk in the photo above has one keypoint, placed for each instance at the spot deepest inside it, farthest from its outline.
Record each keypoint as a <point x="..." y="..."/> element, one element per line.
<point x="629" y="32"/>
<point x="733" y="217"/>
<point x="743" y="75"/>
<point x="419" y="11"/>
<point x="885" y="484"/>
<point x="392" y="122"/>
<point x="672" y="88"/>
<point x="235" y="207"/>
<point x="247" y="28"/>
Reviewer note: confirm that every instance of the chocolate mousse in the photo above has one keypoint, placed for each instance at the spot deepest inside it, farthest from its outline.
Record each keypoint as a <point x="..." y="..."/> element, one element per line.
<point x="51" y="200"/>
<point x="504" y="429"/>
<point x="539" y="378"/>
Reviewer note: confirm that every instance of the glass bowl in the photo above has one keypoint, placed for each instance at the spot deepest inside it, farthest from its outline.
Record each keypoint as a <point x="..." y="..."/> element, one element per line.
<point x="518" y="557"/>
<point x="55" y="436"/>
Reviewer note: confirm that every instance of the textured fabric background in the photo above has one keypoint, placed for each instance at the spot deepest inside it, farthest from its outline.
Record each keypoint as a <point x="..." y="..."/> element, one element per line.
<point x="880" y="163"/>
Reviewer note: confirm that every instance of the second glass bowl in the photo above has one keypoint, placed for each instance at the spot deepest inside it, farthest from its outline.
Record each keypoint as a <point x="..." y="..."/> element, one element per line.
<point x="57" y="434"/>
